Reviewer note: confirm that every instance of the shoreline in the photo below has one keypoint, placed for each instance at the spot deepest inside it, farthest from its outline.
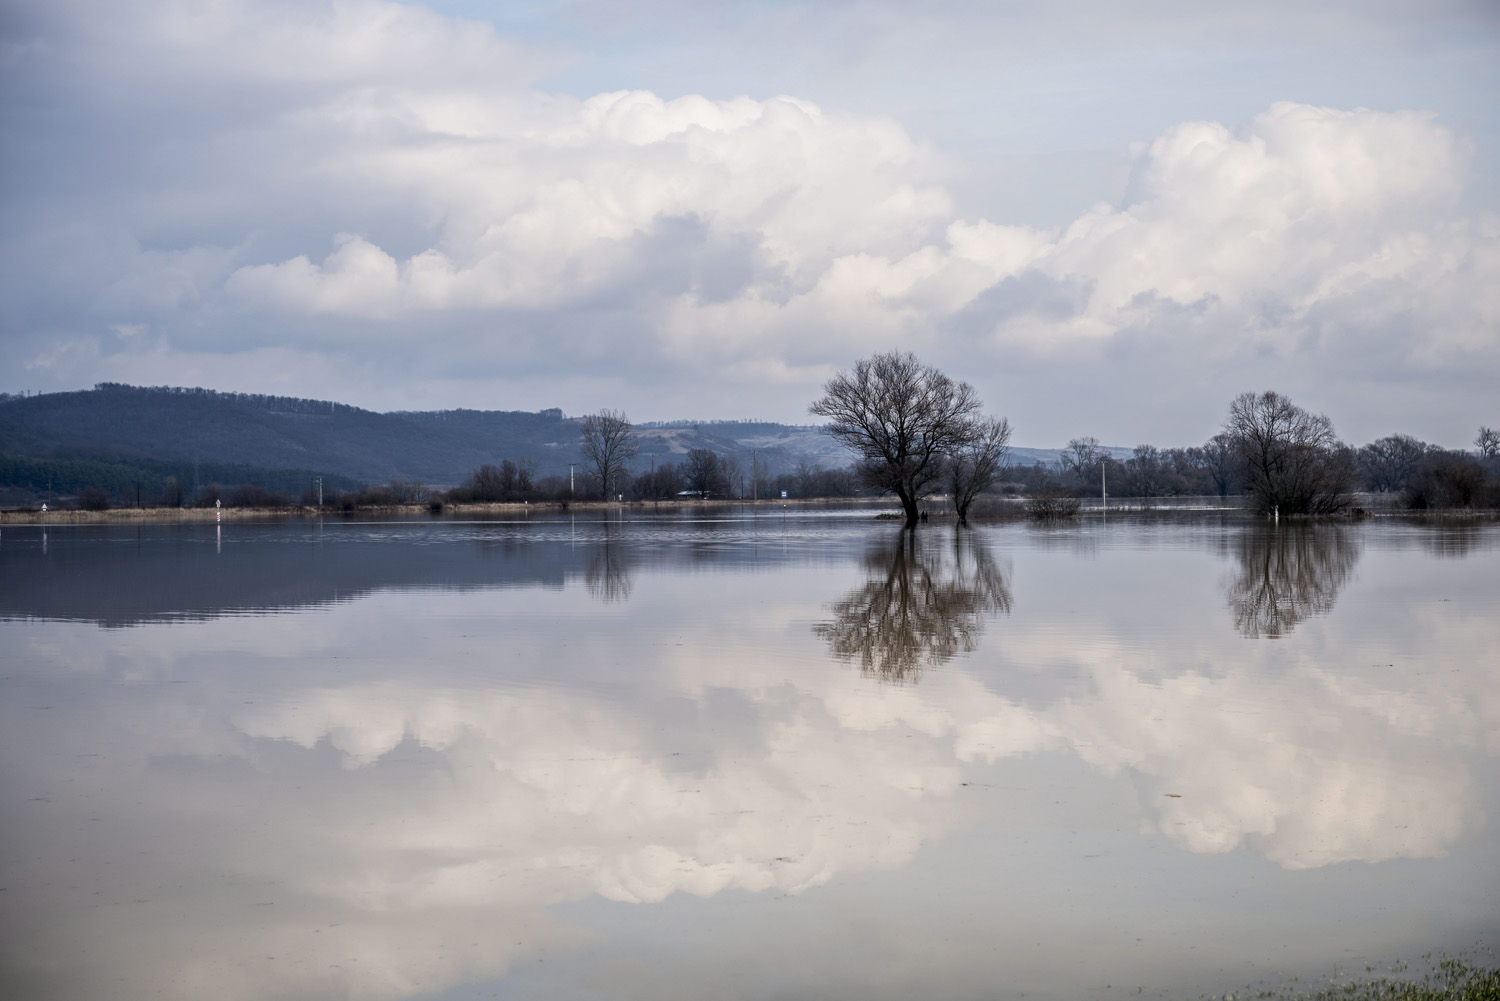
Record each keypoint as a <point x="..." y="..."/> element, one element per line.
<point x="880" y="507"/>
<point x="208" y="515"/>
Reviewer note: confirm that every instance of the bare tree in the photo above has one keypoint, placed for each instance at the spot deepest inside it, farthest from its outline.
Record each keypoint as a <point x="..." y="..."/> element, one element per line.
<point x="662" y="483"/>
<point x="1291" y="460"/>
<point x="901" y="418"/>
<point x="608" y="444"/>
<point x="485" y="484"/>
<point x="976" y="464"/>
<point x="702" y="473"/>
<point x="508" y="477"/>
<point x="1082" y="457"/>
<point x="525" y="474"/>
<point x="1220" y="460"/>
<point x="406" y="491"/>
<point x="1147" y="475"/>
<point x="1487" y="442"/>
<point x="806" y="478"/>
<point x="1389" y="462"/>
<point x="732" y="475"/>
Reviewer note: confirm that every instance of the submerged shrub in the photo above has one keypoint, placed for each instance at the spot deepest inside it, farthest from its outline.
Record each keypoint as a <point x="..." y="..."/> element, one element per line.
<point x="1052" y="503"/>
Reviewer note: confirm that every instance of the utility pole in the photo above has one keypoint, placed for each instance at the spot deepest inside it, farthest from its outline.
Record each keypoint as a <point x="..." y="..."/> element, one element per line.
<point x="570" y="479"/>
<point x="754" y="479"/>
<point x="1103" y="489"/>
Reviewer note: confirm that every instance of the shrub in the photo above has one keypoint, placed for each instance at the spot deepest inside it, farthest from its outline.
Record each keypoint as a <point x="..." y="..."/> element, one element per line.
<point x="1052" y="503"/>
<point x="1451" y="480"/>
<point x="94" y="499"/>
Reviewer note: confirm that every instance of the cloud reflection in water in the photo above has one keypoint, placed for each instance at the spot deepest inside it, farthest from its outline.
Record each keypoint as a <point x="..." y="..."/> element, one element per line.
<point x="377" y="793"/>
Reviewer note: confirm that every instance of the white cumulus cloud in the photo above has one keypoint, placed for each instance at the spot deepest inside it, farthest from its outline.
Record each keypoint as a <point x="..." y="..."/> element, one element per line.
<point x="373" y="181"/>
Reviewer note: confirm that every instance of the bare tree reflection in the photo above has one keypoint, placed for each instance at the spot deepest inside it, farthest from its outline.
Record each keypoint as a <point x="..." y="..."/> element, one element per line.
<point x="1288" y="574"/>
<point x="608" y="574"/>
<point x="925" y="602"/>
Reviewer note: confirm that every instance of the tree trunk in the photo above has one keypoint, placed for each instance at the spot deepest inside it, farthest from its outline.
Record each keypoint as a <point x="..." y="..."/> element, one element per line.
<point x="909" y="504"/>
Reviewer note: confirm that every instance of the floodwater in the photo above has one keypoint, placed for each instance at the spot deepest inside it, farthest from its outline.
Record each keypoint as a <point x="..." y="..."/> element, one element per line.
<point x="784" y="756"/>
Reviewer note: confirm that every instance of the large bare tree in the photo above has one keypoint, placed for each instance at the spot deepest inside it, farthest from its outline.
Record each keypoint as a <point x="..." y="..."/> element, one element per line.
<point x="703" y="471"/>
<point x="1220" y="460"/>
<point x="608" y="444"/>
<point x="1387" y="463"/>
<point x="1291" y="460"/>
<point x="1082" y="458"/>
<point x="902" y="418"/>
<point x="976" y="464"/>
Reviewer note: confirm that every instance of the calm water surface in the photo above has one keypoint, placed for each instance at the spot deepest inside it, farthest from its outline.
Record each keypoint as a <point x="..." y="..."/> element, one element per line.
<point x="791" y="756"/>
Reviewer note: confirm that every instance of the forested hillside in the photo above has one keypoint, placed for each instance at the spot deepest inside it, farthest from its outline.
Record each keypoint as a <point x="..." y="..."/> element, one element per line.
<point x="45" y="479"/>
<point x="116" y="423"/>
<point x="116" y="435"/>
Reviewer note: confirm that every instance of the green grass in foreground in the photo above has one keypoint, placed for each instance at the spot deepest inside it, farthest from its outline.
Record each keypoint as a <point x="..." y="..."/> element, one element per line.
<point x="1450" y="980"/>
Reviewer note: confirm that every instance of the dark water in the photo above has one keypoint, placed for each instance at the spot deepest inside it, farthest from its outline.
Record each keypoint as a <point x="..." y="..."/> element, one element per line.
<point x="776" y="757"/>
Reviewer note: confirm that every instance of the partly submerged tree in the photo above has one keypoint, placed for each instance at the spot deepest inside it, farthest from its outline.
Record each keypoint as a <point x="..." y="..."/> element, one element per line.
<point x="902" y="418"/>
<point x="1290" y="458"/>
<point x="608" y="445"/>
<point x="977" y="463"/>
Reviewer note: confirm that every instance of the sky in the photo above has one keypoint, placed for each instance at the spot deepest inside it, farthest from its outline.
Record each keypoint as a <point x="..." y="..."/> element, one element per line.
<point x="1111" y="218"/>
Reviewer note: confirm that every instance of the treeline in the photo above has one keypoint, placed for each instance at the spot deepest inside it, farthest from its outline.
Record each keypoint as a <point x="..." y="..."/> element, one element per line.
<point x="261" y="401"/>
<point x="99" y="484"/>
<point x="1298" y="472"/>
<point x="701" y="474"/>
<point x="1411" y="473"/>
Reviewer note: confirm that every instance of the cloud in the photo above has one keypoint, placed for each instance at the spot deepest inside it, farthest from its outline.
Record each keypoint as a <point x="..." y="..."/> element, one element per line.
<point x="1290" y="234"/>
<point x="353" y="179"/>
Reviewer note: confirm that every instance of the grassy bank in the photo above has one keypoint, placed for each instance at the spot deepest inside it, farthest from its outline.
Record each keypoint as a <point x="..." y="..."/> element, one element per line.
<point x="988" y="510"/>
<point x="176" y="515"/>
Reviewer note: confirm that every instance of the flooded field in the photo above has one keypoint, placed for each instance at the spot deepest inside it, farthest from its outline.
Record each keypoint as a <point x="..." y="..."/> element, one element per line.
<point x="784" y="755"/>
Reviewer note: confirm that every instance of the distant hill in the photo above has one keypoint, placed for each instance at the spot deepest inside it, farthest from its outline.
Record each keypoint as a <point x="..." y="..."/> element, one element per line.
<point x="121" y="423"/>
<point x="123" y="426"/>
<point x="128" y="428"/>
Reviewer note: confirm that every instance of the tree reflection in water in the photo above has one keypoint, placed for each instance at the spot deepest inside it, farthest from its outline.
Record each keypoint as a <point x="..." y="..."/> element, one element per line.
<point x="925" y="602"/>
<point x="608" y="574"/>
<point x="1288" y="574"/>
